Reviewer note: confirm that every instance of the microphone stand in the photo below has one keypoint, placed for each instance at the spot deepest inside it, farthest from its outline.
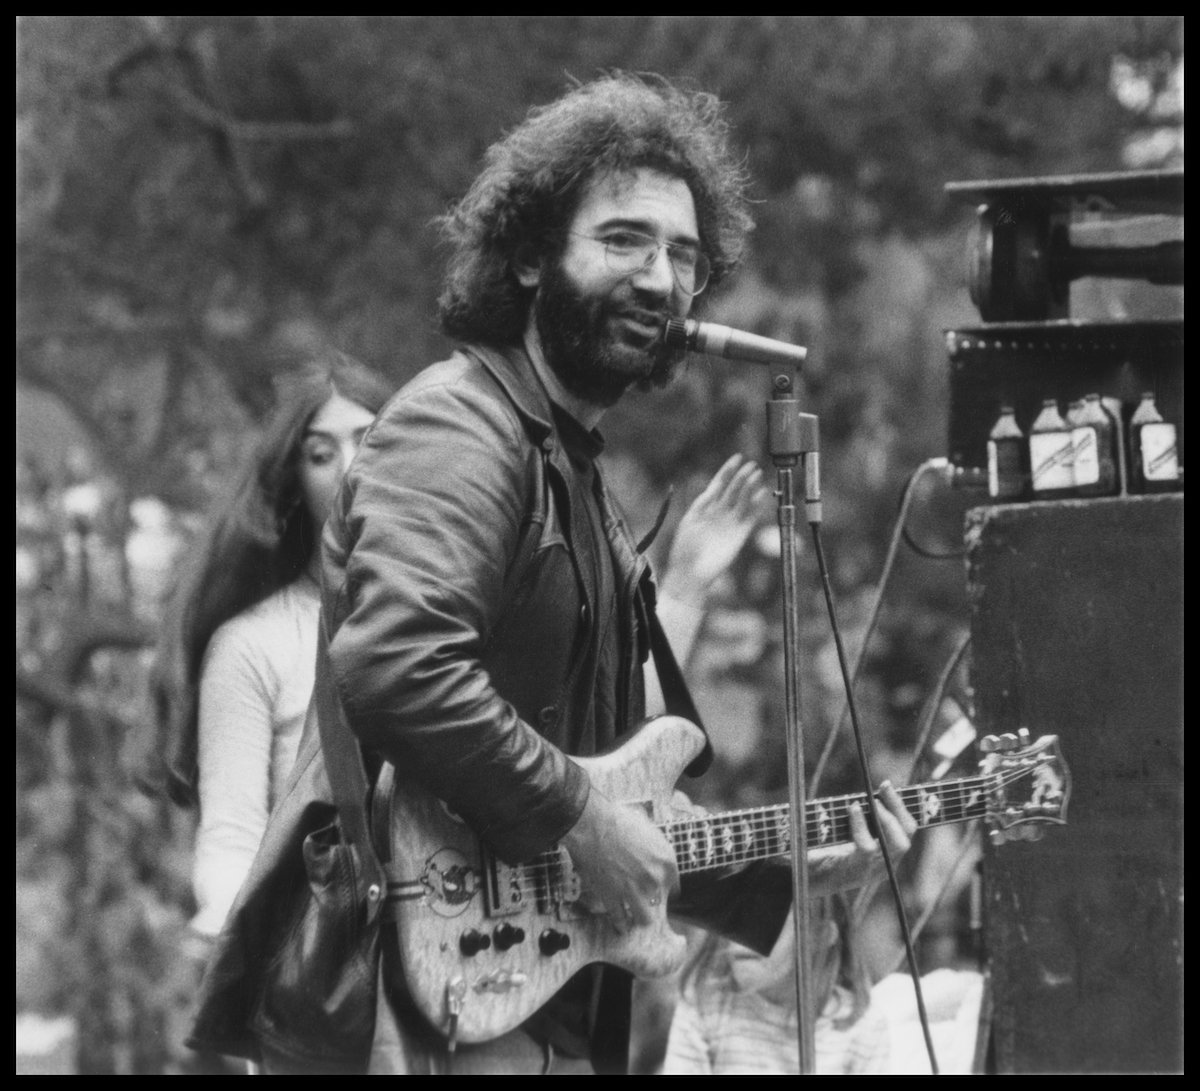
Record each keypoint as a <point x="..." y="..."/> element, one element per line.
<point x="793" y="436"/>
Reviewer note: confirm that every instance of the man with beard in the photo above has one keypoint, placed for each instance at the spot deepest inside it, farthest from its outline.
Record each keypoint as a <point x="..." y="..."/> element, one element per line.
<point x="487" y="613"/>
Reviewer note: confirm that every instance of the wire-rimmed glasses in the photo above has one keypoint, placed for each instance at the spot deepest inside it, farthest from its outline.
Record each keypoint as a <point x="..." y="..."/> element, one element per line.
<point x="628" y="252"/>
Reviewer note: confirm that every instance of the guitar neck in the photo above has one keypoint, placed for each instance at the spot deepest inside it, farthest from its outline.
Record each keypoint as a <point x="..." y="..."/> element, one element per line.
<point x="736" y="837"/>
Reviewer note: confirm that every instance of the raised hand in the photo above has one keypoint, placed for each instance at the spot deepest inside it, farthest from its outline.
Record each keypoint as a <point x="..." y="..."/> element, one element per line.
<point x="714" y="529"/>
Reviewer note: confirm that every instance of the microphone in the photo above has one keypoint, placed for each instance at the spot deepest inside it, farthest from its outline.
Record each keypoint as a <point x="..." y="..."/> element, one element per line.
<point x="714" y="340"/>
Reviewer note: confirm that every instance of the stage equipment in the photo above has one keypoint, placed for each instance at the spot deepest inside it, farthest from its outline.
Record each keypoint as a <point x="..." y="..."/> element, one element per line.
<point x="1076" y="591"/>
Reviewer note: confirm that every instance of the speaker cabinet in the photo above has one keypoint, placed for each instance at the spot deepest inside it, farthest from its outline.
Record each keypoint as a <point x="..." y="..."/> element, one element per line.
<point x="1077" y="631"/>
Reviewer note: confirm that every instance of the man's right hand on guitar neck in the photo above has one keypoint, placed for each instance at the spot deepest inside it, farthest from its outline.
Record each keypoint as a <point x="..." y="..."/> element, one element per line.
<point x="626" y="866"/>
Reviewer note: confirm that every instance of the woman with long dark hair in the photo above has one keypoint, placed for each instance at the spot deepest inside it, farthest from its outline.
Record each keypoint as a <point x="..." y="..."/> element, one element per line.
<point x="236" y="666"/>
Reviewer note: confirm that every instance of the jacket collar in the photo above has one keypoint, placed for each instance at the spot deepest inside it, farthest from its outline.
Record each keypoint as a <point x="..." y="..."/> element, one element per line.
<point x="513" y="370"/>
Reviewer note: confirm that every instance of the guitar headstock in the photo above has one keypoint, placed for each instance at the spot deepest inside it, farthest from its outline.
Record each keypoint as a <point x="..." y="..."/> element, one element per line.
<point x="1028" y="785"/>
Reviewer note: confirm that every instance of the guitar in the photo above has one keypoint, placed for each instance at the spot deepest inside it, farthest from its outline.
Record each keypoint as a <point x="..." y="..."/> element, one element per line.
<point x="484" y="944"/>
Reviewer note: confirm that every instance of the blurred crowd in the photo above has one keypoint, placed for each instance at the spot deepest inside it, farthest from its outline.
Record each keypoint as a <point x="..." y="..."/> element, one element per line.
<point x="101" y="865"/>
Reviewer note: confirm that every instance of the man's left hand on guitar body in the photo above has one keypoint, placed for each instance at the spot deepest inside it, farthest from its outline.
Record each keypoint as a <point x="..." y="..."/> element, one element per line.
<point x="841" y="867"/>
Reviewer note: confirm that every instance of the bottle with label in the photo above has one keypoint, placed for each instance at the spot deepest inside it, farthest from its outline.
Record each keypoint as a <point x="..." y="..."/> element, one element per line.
<point x="1051" y="454"/>
<point x="1083" y="447"/>
<point x="1095" y="465"/>
<point x="1008" y="471"/>
<point x="1153" y="456"/>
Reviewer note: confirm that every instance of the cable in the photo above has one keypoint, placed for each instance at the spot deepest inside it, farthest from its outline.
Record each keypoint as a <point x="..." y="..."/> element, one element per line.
<point x="929" y="554"/>
<point x="941" y="465"/>
<point x="862" y="759"/>
<point x="934" y="701"/>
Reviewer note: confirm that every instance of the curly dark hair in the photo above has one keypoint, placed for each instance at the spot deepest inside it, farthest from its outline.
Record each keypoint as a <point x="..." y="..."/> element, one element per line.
<point x="534" y="177"/>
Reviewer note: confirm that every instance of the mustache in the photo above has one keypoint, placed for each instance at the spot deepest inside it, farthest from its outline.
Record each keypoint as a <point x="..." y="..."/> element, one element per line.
<point x="644" y="315"/>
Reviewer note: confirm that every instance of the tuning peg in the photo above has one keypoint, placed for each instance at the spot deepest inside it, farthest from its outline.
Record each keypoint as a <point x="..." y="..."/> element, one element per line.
<point x="997" y="837"/>
<point x="991" y="744"/>
<point x="1023" y="736"/>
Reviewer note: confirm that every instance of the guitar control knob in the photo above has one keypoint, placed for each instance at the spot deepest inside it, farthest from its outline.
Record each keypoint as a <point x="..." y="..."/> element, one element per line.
<point x="472" y="942"/>
<point x="550" y="942"/>
<point x="507" y="935"/>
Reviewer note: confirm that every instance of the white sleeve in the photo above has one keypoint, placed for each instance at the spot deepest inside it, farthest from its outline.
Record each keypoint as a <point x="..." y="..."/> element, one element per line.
<point x="235" y="737"/>
<point x="687" y="1046"/>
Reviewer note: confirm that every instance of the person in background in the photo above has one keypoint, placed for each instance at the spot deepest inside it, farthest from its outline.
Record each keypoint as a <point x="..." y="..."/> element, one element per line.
<point x="236" y="664"/>
<point x="736" y="1009"/>
<point x="735" y="1013"/>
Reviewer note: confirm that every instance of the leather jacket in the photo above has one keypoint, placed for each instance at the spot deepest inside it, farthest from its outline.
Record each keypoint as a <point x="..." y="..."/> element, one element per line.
<point x="468" y="684"/>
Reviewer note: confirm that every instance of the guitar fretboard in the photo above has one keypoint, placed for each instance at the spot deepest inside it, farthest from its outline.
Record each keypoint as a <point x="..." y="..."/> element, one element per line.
<point x="736" y="837"/>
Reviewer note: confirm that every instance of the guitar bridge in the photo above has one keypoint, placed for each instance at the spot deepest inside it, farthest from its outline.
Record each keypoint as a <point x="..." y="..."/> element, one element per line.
<point x="550" y="883"/>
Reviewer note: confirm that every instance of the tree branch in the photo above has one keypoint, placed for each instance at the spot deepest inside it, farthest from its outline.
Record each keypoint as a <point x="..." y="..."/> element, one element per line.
<point x="237" y="129"/>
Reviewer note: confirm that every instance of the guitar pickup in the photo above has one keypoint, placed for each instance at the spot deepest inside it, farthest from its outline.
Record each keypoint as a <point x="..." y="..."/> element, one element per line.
<point x="505" y="888"/>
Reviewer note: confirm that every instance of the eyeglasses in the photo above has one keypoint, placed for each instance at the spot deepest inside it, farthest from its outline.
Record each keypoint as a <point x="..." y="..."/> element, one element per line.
<point x="629" y="252"/>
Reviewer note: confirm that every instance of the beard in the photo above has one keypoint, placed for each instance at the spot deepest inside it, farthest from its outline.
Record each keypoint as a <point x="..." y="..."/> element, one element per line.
<point x="592" y="353"/>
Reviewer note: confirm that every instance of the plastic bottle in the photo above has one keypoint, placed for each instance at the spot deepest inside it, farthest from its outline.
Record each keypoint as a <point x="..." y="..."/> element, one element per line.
<point x="1092" y="440"/>
<point x="1085" y="469"/>
<point x="1051" y="454"/>
<point x="1008" y="470"/>
<point x="1153" y="456"/>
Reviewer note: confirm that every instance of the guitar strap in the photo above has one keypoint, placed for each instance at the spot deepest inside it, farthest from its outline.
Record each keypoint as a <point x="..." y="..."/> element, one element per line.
<point x="677" y="696"/>
<point x="343" y="757"/>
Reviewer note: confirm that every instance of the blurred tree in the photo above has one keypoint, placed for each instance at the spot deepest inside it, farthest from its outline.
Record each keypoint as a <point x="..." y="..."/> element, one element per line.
<point x="195" y="192"/>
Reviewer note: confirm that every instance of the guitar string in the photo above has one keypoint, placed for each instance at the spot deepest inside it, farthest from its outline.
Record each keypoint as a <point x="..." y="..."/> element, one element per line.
<point x="764" y="830"/>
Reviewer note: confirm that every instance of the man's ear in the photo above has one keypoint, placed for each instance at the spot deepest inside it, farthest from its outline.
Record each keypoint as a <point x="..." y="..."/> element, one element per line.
<point x="527" y="266"/>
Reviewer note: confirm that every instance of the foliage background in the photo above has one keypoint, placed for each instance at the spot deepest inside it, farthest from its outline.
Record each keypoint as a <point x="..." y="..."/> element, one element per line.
<point x="198" y="196"/>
